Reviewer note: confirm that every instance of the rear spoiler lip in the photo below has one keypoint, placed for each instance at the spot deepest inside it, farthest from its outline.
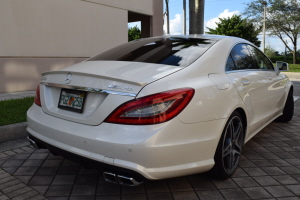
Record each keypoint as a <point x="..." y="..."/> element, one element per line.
<point x="97" y="76"/>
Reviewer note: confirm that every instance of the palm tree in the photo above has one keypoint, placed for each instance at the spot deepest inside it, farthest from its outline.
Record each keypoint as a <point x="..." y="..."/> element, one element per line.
<point x="167" y="8"/>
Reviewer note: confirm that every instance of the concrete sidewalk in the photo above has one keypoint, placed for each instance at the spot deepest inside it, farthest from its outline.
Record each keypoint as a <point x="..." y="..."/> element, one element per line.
<point x="293" y="76"/>
<point x="16" y="95"/>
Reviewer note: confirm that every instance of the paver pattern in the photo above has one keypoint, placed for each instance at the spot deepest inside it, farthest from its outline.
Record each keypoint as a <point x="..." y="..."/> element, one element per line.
<point x="269" y="169"/>
<point x="13" y="188"/>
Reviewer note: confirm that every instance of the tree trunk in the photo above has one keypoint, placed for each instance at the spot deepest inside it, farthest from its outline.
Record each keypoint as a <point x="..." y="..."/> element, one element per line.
<point x="295" y="52"/>
<point x="196" y="16"/>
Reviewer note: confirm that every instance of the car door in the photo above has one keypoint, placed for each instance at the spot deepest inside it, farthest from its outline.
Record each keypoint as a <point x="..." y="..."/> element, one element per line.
<point x="275" y="81"/>
<point x="250" y="83"/>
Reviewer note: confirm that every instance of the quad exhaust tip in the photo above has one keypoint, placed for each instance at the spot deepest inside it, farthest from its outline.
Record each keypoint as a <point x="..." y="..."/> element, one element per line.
<point x="119" y="179"/>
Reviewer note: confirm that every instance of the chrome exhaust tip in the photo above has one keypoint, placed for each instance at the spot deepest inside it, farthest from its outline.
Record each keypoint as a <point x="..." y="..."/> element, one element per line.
<point x="123" y="180"/>
<point x="32" y="143"/>
<point x="110" y="177"/>
<point x="119" y="179"/>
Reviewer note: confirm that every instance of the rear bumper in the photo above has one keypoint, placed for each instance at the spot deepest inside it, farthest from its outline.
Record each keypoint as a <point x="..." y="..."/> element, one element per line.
<point x="86" y="162"/>
<point x="155" y="152"/>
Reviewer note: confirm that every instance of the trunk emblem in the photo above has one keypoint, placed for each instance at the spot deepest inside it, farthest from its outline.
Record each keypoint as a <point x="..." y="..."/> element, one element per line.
<point x="120" y="87"/>
<point x="68" y="78"/>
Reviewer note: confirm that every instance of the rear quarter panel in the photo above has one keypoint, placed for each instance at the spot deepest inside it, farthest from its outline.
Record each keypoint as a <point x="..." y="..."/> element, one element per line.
<point x="209" y="102"/>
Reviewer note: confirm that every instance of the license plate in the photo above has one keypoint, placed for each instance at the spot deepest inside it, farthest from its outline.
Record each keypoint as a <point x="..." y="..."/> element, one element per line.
<point x="72" y="100"/>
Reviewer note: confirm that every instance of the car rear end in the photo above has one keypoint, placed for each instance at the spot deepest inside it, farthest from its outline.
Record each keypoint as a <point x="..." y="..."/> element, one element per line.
<point x="92" y="113"/>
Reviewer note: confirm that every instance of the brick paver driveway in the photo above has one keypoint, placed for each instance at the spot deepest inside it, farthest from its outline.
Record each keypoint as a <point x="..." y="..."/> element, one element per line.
<point x="269" y="169"/>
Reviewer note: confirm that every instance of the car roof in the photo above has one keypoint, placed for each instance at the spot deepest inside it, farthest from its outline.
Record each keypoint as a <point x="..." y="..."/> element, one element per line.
<point x="205" y="36"/>
<point x="202" y="36"/>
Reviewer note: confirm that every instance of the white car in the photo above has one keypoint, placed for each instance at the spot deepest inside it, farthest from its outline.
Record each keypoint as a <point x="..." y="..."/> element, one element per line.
<point x="161" y="107"/>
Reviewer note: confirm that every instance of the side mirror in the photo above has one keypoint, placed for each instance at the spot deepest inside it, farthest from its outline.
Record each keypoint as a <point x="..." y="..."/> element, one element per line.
<point x="282" y="66"/>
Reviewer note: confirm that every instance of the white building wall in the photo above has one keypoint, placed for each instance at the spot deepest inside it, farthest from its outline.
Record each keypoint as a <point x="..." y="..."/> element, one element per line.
<point x="45" y="35"/>
<point x="59" y="28"/>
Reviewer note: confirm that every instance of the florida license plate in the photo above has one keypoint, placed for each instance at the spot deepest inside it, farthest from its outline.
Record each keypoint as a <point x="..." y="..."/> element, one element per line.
<point x="72" y="100"/>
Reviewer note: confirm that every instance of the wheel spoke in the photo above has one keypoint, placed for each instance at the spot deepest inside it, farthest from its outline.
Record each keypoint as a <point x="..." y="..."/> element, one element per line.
<point x="228" y="161"/>
<point x="237" y="133"/>
<point x="236" y="156"/>
<point x="236" y="152"/>
<point x="231" y="164"/>
<point x="226" y="151"/>
<point x="238" y="138"/>
<point x="238" y="147"/>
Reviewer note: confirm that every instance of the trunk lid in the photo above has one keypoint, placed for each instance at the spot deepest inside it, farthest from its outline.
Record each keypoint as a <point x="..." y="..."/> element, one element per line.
<point x="107" y="84"/>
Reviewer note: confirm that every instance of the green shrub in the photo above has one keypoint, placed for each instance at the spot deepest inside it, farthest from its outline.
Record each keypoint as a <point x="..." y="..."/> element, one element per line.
<point x="281" y="58"/>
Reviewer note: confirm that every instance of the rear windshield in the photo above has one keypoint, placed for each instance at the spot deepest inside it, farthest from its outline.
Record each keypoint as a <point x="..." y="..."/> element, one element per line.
<point x="176" y="51"/>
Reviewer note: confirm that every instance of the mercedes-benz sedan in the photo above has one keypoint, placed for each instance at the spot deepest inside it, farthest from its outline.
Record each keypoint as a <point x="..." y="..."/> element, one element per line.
<point x="161" y="107"/>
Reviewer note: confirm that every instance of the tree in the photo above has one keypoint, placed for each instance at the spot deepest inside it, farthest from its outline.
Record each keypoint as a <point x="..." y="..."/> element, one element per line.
<point x="282" y="20"/>
<point x="270" y="52"/>
<point x="134" y="33"/>
<point x="238" y="27"/>
<point x="196" y="10"/>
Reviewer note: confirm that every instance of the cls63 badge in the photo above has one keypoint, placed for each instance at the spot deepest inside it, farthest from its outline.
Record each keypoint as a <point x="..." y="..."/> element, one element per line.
<point x="120" y="87"/>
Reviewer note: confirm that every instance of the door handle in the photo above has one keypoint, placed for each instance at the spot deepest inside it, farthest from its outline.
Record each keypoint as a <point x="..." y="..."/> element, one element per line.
<point x="245" y="82"/>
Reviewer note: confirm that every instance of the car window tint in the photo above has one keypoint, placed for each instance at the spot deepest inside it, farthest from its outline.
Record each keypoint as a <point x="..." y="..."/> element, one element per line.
<point x="176" y="51"/>
<point x="230" y="64"/>
<point x="262" y="61"/>
<point x="242" y="58"/>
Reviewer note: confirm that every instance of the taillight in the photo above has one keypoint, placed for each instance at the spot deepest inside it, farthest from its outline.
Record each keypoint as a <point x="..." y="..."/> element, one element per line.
<point x="152" y="109"/>
<point x="37" y="99"/>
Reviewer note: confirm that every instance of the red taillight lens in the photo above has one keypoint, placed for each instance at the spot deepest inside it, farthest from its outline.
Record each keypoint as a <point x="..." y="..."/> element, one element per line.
<point x="153" y="109"/>
<point x="37" y="99"/>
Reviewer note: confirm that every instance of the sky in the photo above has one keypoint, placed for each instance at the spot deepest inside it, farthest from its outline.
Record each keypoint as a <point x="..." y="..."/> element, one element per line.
<point x="214" y="9"/>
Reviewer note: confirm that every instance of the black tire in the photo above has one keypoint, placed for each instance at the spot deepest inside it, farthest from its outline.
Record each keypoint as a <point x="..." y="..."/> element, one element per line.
<point x="288" y="110"/>
<point x="229" y="149"/>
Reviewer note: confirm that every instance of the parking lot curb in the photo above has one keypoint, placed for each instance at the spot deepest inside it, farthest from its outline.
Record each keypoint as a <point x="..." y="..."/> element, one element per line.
<point x="13" y="131"/>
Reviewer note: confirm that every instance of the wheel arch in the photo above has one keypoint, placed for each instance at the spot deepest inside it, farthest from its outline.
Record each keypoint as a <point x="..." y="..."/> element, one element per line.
<point x="242" y="112"/>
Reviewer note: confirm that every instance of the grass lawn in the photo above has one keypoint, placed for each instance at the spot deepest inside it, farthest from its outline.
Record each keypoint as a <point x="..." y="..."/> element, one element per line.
<point x="14" y="110"/>
<point x="294" y="68"/>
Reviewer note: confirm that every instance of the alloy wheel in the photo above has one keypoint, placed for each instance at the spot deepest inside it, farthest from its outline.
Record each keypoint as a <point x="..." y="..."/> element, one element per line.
<point x="232" y="144"/>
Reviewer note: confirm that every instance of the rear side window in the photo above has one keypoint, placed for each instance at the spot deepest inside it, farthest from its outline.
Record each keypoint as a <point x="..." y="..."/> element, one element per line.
<point x="242" y="58"/>
<point x="176" y="51"/>
<point x="261" y="60"/>
<point x="230" y="64"/>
